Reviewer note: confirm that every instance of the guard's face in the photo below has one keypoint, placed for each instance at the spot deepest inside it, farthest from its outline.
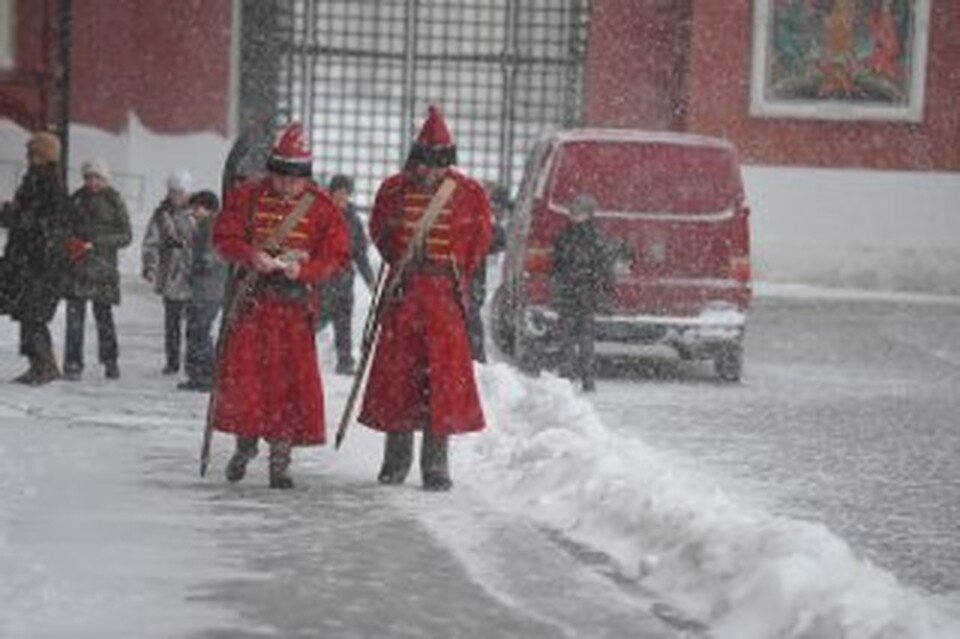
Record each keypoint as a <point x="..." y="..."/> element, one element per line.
<point x="288" y="186"/>
<point x="426" y="175"/>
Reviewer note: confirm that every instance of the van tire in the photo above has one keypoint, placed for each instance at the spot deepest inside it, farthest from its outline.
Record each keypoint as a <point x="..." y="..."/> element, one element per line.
<point x="729" y="363"/>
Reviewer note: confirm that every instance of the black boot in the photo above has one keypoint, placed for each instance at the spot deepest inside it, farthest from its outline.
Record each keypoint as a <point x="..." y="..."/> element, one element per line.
<point x="111" y="370"/>
<point x="397" y="458"/>
<point x="280" y="464"/>
<point x="245" y="451"/>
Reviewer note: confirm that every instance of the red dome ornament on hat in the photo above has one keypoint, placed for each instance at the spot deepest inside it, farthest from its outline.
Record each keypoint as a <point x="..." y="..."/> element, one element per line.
<point x="291" y="154"/>
<point x="434" y="145"/>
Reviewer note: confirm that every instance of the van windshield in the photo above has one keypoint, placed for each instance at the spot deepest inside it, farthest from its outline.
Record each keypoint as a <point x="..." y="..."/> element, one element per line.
<point x="646" y="177"/>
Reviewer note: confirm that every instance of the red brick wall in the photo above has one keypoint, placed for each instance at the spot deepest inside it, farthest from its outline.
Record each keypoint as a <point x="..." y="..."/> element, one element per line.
<point x="634" y="50"/>
<point x="633" y="69"/>
<point x="26" y="91"/>
<point x="169" y="62"/>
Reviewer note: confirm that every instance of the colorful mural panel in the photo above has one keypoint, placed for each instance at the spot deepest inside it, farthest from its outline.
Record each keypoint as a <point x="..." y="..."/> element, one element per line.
<point x="840" y="59"/>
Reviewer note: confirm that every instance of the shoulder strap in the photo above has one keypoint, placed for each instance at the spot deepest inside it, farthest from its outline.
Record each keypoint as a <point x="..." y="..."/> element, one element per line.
<point x="283" y="229"/>
<point x="430" y="215"/>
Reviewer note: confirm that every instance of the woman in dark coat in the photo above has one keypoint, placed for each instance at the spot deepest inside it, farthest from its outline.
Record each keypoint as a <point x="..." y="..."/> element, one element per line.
<point x="34" y="261"/>
<point x="99" y="226"/>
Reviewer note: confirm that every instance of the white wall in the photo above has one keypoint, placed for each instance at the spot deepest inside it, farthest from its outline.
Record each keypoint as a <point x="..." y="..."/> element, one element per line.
<point x="892" y="230"/>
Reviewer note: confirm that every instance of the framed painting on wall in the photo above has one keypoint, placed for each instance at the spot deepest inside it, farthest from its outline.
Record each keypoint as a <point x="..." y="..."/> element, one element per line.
<point x="839" y="59"/>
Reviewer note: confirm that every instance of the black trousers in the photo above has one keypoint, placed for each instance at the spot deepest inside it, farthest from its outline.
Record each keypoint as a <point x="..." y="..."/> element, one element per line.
<point x="337" y="307"/>
<point x="107" y="348"/>
<point x="200" y="355"/>
<point x="478" y="292"/>
<point x="577" y="333"/>
<point x="173" y="317"/>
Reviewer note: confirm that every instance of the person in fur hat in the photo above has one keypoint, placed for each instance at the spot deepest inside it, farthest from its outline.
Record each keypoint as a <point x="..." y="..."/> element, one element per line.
<point x="100" y="227"/>
<point x="421" y="377"/>
<point x="267" y="382"/>
<point x="34" y="261"/>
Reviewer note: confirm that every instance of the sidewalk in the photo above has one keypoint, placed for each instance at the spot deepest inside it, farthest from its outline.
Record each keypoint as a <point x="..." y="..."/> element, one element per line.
<point x="107" y="530"/>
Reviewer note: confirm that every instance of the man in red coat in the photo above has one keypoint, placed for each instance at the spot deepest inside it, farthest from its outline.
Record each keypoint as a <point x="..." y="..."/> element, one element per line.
<point x="268" y="381"/>
<point x="422" y="377"/>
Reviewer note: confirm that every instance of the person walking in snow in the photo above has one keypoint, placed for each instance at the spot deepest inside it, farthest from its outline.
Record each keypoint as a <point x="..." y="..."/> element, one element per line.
<point x="34" y="262"/>
<point x="99" y="228"/>
<point x="336" y="296"/>
<point x="166" y="252"/>
<point x="581" y="274"/>
<point x="421" y="377"/>
<point x="268" y="382"/>
<point x="208" y="277"/>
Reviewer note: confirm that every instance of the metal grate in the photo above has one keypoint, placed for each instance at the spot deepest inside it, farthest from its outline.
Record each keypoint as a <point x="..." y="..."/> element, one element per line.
<point x="360" y="73"/>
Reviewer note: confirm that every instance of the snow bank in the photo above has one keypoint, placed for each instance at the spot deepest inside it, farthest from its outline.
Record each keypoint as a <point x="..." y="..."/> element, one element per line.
<point x="745" y="573"/>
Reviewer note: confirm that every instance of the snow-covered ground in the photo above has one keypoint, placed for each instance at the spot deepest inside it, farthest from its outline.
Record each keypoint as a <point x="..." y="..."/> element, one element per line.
<point x="106" y="531"/>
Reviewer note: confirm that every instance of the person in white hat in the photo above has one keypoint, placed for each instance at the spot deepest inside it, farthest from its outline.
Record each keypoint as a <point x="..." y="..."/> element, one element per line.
<point x="165" y="254"/>
<point x="99" y="227"/>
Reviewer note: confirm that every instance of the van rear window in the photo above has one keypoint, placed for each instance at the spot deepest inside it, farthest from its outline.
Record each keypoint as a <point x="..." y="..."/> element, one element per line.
<point x="646" y="177"/>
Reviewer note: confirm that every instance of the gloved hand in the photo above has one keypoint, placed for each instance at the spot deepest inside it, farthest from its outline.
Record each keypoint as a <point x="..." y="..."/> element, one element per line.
<point x="77" y="249"/>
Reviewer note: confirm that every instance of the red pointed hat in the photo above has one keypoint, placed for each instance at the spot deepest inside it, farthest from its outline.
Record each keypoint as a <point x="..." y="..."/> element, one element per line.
<point x="434" y="131"/>
<point x="291" y="154"/>
<point x="434" y="144"/>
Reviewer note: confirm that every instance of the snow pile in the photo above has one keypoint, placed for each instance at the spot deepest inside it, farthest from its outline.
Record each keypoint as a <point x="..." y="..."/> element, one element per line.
<point x="744" y="573"/>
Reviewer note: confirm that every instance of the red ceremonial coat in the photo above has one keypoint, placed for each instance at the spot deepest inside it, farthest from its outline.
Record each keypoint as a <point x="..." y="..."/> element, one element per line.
<point x="422" y="372"/>
<point x="268" y="380"/>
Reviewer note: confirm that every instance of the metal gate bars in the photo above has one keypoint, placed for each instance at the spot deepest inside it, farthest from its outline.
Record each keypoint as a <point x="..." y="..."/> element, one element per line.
<point x="359" y="74"/>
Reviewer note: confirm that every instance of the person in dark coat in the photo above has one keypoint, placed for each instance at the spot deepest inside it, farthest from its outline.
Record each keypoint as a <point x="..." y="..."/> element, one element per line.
<point x="166" y="252"/>
<point x="34" y="260"/>
<point x="499" y="205"/>
<point x="208" y="279"/>
<point x="99" y="227"/>
<point x="336" y="296"/>
<point x="581" y="274"/>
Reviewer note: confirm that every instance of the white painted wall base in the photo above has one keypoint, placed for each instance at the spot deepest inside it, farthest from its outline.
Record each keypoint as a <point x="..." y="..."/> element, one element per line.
<point x="891" y="230"/>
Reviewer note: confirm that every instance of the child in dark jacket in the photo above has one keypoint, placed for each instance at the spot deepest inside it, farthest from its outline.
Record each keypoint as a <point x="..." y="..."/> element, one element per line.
<point x="582" y="274"/>
<point x="208" y="277"/>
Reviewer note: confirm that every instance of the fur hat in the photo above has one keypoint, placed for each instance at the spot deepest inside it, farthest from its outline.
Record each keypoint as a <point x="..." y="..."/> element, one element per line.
<point x="291" y="154"/>
<point x="96" y="166"/>
<point x="434" y="144"/>
<point x="180" y="181"/>
<point x="46" y="146"/>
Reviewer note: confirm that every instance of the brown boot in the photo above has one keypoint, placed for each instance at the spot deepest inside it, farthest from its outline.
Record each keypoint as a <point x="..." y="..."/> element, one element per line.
<point x="280" y="464"/>
<point x="31" y="374"/>
<point x="48" y="369"/>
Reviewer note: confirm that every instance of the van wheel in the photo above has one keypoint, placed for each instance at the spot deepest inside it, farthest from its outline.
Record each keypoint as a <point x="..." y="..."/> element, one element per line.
<point x="729" y="363"/>
<point x="502" y="330"/>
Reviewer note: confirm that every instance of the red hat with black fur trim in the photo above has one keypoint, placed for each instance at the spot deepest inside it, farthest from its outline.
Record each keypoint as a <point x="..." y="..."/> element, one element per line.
<point x="291" y="154"/>
<point x="434" y="145"/>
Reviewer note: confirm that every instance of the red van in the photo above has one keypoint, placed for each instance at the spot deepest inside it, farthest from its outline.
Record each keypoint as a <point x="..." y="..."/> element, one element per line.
<point x="673" y="209"/>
